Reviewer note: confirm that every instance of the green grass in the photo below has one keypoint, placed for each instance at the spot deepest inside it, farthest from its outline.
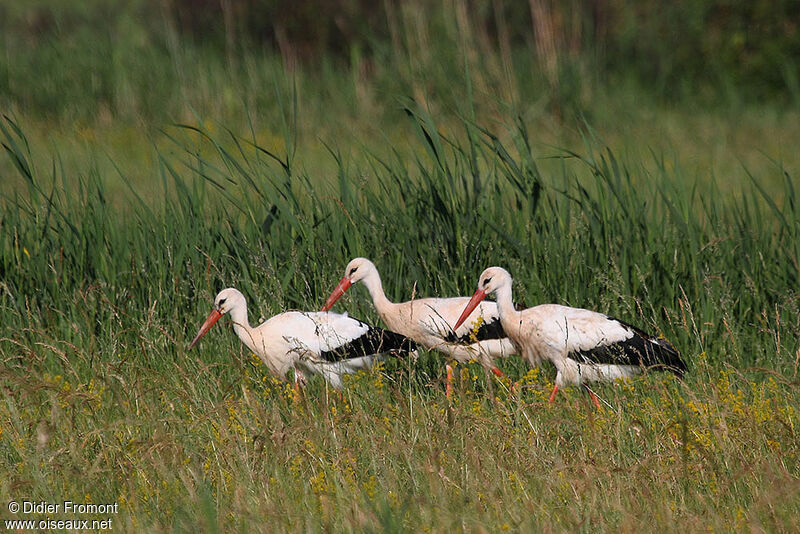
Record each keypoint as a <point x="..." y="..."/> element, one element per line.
<point x="101" y="401"/>
<point x="194" y="444"/>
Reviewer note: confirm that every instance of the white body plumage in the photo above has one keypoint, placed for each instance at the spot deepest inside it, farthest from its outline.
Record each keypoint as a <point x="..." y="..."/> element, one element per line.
<point x="430" y="321"/>
<point x="328" y="344"/>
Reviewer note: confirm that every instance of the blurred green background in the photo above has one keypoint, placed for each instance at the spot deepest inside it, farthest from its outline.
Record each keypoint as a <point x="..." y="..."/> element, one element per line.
<point x="714" y="83"/>
<point x="78" y="60"/>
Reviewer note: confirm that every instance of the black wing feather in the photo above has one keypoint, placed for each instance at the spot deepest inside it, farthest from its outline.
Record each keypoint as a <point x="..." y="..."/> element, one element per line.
<point x="487" y="330"/>
<point x="639" y="350"/>
<point x="374" y="341"/>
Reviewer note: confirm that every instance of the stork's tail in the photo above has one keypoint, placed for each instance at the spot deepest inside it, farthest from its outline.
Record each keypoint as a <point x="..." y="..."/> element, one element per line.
<point x="668" y="356"/>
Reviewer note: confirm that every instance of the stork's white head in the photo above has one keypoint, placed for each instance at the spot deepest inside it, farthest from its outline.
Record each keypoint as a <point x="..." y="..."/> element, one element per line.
<point x="490" y="281"/>
<point x="228" y="299"/>
<point x="356" y="271"/>
<point x="225" y="301"/>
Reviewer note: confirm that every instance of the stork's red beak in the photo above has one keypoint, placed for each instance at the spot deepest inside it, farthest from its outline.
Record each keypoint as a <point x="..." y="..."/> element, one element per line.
<point x="344" y="285"/>
<point x="476" y="299"/>
<point x="212" y="318"/>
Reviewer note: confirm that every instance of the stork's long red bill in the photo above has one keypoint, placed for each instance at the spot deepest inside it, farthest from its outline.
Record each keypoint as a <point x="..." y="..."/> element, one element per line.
<point x="476" y="299"/>
<point x="212" y="318"/>
<point x="344" y="285"/>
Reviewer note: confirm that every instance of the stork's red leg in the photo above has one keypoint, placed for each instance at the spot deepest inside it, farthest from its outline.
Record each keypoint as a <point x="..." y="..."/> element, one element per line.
<point x="498" y="372"/>
<point x="553" y="394"/>
<point x="297" y="386"/>
<point x="593" y="397"/>
<point x="449" y="385"/>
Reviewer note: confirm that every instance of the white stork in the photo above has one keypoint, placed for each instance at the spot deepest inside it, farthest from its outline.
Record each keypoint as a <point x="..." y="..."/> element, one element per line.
<point x="430" y="321"/>
<point x="328" y="344"/>
<point x="584" y="346"/>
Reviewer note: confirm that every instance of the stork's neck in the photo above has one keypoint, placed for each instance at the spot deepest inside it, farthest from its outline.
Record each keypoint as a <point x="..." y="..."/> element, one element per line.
<point x="242" y="326"/>
<point x="505" y="303"/>
<point x="375" y="288"/>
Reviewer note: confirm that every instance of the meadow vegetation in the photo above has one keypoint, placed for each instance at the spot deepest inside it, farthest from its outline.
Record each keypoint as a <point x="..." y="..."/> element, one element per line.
<point x="435" y="152"/>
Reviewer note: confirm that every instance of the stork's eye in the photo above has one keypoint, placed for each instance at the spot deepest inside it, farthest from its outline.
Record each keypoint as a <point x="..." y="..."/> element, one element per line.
<point x="353" y="270"/>
<point x="221" y="302"/>
<point x="486" y="281"/>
